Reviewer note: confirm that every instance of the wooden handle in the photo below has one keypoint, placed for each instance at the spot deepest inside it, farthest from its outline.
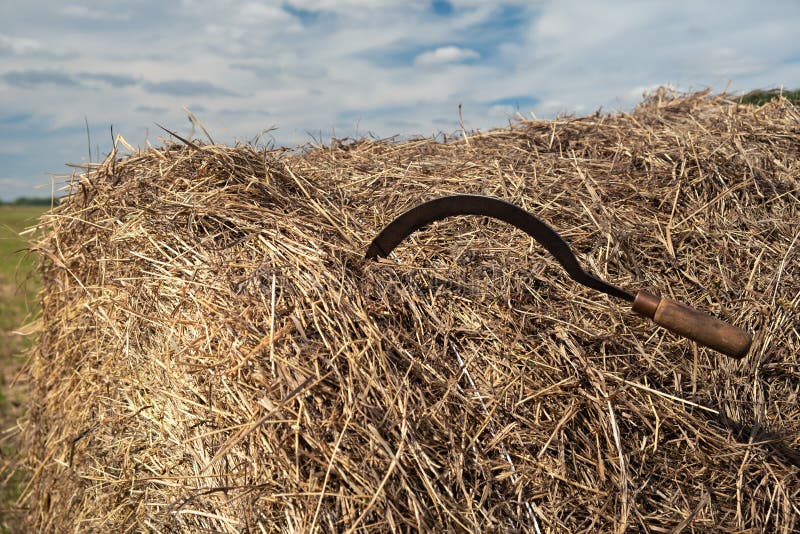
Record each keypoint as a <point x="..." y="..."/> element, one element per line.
<point x="693" y="324"/>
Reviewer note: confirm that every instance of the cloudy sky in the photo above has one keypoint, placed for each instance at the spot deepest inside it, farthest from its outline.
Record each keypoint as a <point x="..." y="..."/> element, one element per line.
<point x="316" y="68"/>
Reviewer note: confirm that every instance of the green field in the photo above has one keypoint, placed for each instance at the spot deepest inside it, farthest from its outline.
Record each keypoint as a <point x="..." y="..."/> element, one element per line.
<point x="17" y="289"/>
<point x="17" y="306"/>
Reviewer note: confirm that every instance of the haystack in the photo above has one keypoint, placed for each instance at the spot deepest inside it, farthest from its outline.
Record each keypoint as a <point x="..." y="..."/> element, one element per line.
<point x="217" y="356"/>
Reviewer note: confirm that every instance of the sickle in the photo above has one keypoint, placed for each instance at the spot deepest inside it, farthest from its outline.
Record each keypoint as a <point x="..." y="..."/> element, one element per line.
<point x="676" y="317"/>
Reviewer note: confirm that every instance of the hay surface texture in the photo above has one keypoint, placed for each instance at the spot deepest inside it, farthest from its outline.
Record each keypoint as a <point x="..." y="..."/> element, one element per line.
<point x="216" y="355"/>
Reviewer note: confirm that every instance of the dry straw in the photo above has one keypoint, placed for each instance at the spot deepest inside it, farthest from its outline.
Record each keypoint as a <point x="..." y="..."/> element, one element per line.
<point x="216" y="356"/>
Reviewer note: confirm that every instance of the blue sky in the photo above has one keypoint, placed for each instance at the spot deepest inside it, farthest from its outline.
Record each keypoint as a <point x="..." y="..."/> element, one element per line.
<point x="316" y="68"/>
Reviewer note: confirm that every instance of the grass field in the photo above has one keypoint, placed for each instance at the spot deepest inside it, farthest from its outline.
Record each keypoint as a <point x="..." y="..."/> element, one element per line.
<point x="17" y="306"/>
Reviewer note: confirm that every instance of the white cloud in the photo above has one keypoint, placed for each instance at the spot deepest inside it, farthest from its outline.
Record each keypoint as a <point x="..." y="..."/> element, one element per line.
<point x="444" y="55"/>
<point x="641" y="90"/>
<point x="7" y="182"/>
<point x="11" y="188"/>
<point x="253" y="13"/>
<point x="85" y="13"/>
<point x="728" y="61"/>
<point x="349" y="5"/>
<point x="18" y="45"/>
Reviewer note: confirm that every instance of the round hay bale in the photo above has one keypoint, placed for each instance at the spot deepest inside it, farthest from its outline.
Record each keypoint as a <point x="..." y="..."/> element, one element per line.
<point x="216" y="355"/>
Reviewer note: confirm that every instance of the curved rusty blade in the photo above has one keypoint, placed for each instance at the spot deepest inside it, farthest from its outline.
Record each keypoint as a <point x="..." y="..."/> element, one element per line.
<point x="443" y="207"/>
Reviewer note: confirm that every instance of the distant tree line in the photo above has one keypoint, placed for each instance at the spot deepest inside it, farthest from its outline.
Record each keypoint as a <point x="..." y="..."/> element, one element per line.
<point x="761" y="97"/>
<point x="28" y="201"/>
